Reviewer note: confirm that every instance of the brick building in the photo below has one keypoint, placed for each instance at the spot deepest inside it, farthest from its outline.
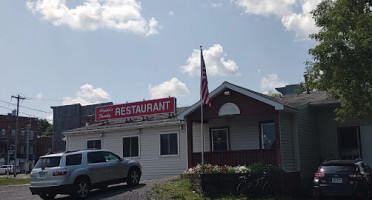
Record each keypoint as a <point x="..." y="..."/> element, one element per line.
<point x="70" y="117"/>
<point x="27" y="152"/>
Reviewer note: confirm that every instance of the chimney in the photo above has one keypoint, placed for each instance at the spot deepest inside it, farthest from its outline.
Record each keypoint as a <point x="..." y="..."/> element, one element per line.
<point x="306" y="77"/>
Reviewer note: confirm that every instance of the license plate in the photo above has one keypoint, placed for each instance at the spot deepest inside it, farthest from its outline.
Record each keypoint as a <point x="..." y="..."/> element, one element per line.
<point x="336" y="180"/>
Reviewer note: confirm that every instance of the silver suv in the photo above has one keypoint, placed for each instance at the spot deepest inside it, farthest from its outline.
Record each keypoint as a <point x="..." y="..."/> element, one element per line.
<point x="77" y="172"/>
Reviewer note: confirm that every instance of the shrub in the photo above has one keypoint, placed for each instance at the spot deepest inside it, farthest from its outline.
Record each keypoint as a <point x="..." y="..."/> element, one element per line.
<point x="256" y="168"/>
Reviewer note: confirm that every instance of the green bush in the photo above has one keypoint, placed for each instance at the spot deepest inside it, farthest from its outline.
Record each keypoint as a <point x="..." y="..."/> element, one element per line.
<point x="256" y="168"/>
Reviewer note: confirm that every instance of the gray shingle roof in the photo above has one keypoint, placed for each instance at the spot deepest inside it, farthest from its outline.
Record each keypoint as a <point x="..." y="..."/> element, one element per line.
<point x="314" y="98"/>
<point x="132" y="122"/>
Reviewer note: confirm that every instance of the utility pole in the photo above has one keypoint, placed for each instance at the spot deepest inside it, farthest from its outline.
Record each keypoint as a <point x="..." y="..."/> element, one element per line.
<point x="18" y="97"/>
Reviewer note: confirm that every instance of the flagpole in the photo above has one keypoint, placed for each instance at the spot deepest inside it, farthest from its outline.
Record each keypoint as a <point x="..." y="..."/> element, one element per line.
<point x="201" y="114"/>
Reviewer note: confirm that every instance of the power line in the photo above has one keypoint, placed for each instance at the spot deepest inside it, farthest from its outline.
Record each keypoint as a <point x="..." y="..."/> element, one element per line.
<point x="29" y="115"/>
<point x="46" y="99"/>
<point x="9" y="103"/>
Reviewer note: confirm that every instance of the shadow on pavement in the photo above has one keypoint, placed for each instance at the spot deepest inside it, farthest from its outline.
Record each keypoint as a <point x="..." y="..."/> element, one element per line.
<point x="108" y="192"/>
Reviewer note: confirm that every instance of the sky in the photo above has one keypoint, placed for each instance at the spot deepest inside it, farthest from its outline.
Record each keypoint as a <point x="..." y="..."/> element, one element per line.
<point x="63" y="52"/>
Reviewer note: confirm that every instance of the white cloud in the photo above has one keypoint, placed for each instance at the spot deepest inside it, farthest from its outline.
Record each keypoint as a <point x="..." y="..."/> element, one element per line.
<point x="265" y="7"/>
<point x="271" y="82"/>
<point x="215" y="62"/>
<point x="173" y="88"/>
<point x="122" y="15"/>
<point x="301" y="23"/>
<point x="39" y="96"/>
<point x="215" y="3"/>
<point x="88" y="95"/>
<point x="49" y="117"/>
<point x="258" y="72"/>
<point x="171" y="13"/>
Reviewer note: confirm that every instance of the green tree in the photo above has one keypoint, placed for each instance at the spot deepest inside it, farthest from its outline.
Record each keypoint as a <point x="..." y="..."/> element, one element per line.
<point x="44" y="128"/>
<point x="342" y="63"/>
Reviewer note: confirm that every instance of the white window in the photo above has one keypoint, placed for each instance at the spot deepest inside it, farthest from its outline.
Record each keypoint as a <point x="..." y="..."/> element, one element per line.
<point x="3" y="133"/>
<point x="94" y="144"/>
<point x="31" y="135"/>
<point x="220" y="139"/>
<point x="23" y="135"/>
<point x="130" y="146"/>
<point x="268" y="135"/>
<point x="13" y="133"/>
<point x="169" y="144"/>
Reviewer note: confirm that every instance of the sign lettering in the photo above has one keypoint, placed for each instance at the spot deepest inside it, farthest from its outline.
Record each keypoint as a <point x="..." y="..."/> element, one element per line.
<point x="157" y="106"/>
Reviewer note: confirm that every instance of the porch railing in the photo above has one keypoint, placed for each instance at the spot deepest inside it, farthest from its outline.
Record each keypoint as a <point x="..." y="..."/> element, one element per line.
<point x="234" y="158"/>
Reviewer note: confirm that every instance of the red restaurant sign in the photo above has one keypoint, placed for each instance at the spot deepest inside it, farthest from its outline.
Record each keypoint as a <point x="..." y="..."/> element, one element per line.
<point x="157" y="106"/>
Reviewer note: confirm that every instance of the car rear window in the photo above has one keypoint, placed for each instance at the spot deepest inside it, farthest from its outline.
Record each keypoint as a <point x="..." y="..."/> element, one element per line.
<point x="48" y="162"/>
<point x="338" y="169"/>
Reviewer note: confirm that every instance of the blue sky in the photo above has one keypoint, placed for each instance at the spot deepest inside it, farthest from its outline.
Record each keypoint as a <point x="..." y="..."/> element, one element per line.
<point x="89" y="51"/>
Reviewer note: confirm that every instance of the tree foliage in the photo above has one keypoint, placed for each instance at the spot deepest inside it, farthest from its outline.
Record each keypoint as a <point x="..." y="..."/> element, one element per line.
<point x="342" y="63"/>
<point x="44" y="128"/>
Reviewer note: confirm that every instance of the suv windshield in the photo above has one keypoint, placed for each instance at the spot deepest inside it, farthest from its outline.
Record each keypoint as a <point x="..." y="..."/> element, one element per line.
<point x="338" y="169"/>
<point x="47" y="162"/>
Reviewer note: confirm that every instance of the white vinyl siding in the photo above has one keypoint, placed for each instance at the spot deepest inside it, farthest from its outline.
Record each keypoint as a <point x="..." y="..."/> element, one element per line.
<point x="288" y="143"/>
<point x="153" y="165"/>
<point x="244" y="132"/>
<point x="308" y="142"/>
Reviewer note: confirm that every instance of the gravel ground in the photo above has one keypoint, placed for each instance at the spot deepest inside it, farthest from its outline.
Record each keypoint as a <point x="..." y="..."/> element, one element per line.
<point x="145" y="192"/>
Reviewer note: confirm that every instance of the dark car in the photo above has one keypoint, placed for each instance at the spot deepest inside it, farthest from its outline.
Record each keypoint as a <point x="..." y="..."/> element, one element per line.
<point x="350" y="178"/>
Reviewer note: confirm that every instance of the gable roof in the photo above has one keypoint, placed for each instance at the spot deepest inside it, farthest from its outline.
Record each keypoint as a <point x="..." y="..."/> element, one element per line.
<point x="250" y="93"/>
<point x="286" y="102"/>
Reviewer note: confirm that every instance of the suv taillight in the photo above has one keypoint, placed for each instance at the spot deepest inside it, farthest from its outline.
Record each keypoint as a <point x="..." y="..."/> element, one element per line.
<point x="59" y="173"/>
<point x="356" y="176"/>
<point x="319" y="174"/>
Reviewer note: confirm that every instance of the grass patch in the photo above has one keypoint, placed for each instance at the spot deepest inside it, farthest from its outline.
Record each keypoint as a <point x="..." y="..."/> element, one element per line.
<point x="180" y="189"/>
<point x="12" y="181"/>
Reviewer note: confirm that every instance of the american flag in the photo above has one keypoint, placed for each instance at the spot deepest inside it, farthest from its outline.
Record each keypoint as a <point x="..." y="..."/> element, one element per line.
<point x="204" y="93"/>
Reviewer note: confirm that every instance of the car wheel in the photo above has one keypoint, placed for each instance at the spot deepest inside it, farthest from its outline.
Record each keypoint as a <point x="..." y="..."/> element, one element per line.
<point x="82" y="188"/>
<point x="47" y="196"/>
<point x="133" y="177"/>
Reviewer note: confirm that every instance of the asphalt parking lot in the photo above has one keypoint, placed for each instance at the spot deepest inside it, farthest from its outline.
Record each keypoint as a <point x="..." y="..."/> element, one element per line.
<point x="118" y="191"/>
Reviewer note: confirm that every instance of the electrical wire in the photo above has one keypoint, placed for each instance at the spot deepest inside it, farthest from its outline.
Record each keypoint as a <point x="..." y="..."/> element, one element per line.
<point x="29" y="115"/>
<point x="34" y="109"/>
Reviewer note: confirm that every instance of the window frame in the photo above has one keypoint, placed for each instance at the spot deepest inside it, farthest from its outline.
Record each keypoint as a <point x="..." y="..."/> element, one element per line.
<point x="94" y="140"/>
<point x="13" y="133"/>
<point x="32" y="135"/>
<point x="178" y="144"/>
<point x="23" y="135"/>
<point x="227" y="138"/>
<point x="3" y="133"/>
<point x="261" y="124"/>
<point x="138" y="144"/>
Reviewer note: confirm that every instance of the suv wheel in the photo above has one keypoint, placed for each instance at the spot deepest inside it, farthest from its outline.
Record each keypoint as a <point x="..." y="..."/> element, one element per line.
<point x="133" y="177"/>
<point x="47" y="196"/>
<point x="82" y="188"/>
